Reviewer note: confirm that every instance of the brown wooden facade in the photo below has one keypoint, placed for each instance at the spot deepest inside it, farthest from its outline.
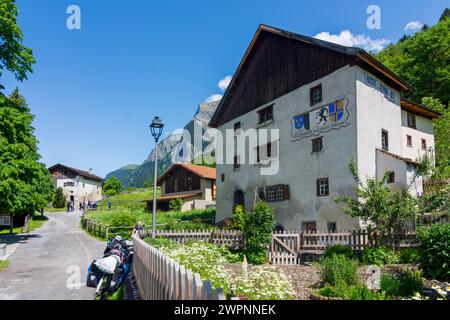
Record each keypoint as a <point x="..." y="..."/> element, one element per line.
<point x="181" y="180"/>
<point x="278" y="62"/>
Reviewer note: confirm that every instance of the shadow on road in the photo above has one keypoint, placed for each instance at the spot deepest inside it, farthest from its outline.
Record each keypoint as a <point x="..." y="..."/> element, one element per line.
<point x="17" y="238"/>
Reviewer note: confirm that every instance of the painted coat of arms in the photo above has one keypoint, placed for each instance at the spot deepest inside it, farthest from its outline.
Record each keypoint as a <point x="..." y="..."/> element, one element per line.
<point x="334" y="115"/>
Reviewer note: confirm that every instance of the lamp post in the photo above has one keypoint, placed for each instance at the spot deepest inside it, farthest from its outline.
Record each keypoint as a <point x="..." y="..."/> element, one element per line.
<point x="156" y="128"/>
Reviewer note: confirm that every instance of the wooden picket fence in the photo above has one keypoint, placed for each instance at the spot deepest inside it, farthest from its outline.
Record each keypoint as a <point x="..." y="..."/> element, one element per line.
<point x="232" y="239"/>
<point x="160" y="278"/>
<point x="288" y="246"/>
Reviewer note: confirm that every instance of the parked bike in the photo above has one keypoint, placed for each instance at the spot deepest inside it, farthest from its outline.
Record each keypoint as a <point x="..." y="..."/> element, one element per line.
<point x="106" y="275"/>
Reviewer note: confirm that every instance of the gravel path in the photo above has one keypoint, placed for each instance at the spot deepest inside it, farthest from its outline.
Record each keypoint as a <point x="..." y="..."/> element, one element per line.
<point x="50" y="263"/>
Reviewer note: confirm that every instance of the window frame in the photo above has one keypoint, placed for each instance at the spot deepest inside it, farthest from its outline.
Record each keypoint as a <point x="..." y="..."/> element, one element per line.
<point x="313" y="100"/>
<point x="319" y="187"/>
<point x="314" y="144"/>
<point x="385" y="139"/>
<point x="391" y="177"/>
<point x="409" y="141"/>
<point x="263" y="114"/>
<point x="424" y="144"/>
<point x="411" y="120"/>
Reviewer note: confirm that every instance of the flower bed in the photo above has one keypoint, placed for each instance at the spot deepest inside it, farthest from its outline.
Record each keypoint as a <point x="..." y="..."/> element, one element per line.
<point x="210" y="262"/>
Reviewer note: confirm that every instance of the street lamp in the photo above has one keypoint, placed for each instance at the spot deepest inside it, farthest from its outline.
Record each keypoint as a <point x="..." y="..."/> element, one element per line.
<point x="156" y="128"/>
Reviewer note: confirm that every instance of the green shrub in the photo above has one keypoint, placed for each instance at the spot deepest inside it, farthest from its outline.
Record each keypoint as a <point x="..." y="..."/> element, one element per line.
<point x="409" y="255"/>
<point x="379" y="256"/>
<point x="59" y="201"/>
<point x="123" y="220"/>
<point x="132" y="189"/>
<point x="339" y="249"/>
<point x="238" y="218"/>
<point x="258" y="228"/>
<point x="339" y="269"/>
<point x="176" y="204"/>
<point x="354" y="292"/>
<point x="110" y="192"/>
<point x="161" y="242"/>
<point x="404" y="285"/>
<point x="435" y="250"/>
<point x="257" y="256"/>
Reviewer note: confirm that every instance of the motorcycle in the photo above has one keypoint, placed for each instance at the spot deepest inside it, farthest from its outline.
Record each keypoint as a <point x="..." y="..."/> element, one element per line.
<point x="106" y="275"/>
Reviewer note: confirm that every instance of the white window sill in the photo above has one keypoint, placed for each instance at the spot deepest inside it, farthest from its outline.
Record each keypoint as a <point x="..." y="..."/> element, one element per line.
<point x="265" y="124"/>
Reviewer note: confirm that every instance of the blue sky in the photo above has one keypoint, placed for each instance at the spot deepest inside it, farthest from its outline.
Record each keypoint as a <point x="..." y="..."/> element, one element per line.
<point x="94" y="91"/>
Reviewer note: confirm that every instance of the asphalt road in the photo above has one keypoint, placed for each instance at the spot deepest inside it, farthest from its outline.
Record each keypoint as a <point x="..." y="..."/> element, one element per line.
<point x="50" y="263"/>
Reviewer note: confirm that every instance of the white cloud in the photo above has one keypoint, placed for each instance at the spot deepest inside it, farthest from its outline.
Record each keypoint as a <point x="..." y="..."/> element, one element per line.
<point x="214" y="97"/>
<point x="224" y="83"/>
<point x="413" y="26"/>
<point x="346" y="38"/>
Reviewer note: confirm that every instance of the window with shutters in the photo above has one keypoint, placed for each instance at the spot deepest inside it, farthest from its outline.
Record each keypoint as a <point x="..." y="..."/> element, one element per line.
<point x="274" y="193"/>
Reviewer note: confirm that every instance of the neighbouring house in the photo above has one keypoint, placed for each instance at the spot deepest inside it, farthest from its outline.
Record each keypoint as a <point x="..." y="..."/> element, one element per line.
<point x="194" y="184"/>
<point x="329" y="103"/>
<point x="78" y="185"/>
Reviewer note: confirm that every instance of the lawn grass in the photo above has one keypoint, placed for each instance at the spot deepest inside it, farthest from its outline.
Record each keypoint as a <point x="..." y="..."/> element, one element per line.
<point x="129" y="199"/>
<point x="195" y="219"/>
<point x="36" y="222"/>
<point x="4" y="264"/>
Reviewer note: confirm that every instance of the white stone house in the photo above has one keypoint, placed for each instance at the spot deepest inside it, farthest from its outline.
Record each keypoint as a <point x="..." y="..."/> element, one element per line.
<point x="78" y="185"/>
<point x="329" y="103"/>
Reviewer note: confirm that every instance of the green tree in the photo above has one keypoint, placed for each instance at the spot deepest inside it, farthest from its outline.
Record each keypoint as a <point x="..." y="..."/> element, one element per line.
<point x="441" y="133"/>
<point x="423" y="61"/>
<point x="112" y="184"/>
<point x="385" y="209"/>
<point x="59" y="200"/>
<point x="25" y="184"/>
<point x="14" y="56"/>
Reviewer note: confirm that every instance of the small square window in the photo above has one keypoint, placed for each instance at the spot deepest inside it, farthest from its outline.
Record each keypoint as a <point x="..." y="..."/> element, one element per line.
<point x="323" y="188"/>
<point x="265" y="114"/>
<point x="424" y="144"/>
<point x="331" y="226"/>
<point x="409" y="141"/>
<point x="391" y="177"/>
<point x="315" y="95"/>
<point x="317" y="145"/>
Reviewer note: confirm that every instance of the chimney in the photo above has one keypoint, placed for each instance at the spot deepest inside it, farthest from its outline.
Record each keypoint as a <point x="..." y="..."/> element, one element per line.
<point x="90" y="170"/>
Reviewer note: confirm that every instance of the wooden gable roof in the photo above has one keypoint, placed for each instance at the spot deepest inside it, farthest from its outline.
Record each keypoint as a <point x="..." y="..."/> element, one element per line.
<point x="86" y="174"/>
<point x="201" y="171"/>
<point x="278" y="62"/>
